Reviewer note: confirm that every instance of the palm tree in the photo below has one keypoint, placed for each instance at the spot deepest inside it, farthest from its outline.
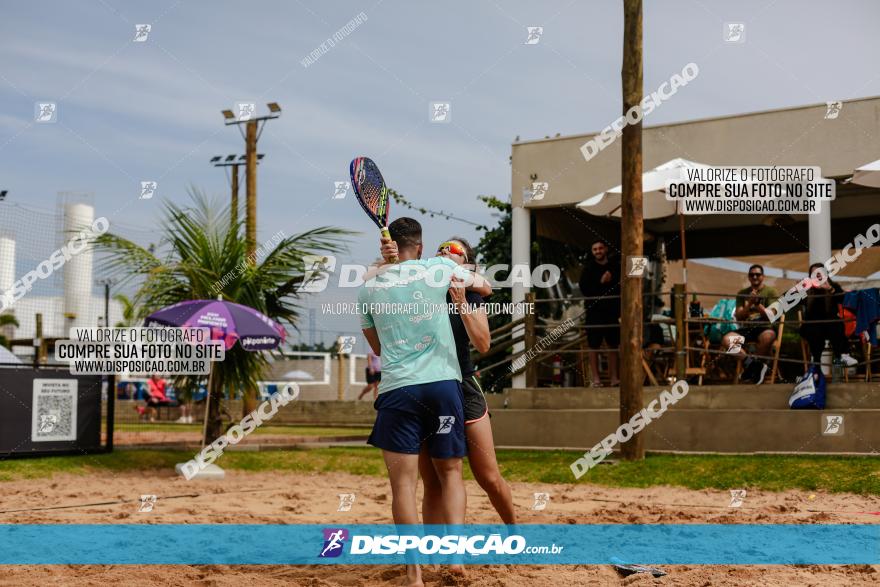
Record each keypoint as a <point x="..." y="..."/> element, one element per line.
<point x="131" y="313"/>
<point x="7" y="320"/>
<point x="199" y="249"/>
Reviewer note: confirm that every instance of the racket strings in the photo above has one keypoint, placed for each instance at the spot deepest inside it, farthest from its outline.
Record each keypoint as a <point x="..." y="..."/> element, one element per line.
<point x="370" y="189"/>
<point x="374" y="195"/>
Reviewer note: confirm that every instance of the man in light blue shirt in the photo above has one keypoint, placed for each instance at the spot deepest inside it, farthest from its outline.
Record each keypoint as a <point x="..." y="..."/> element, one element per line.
<point x="406" y="305"/>
<point x="405" y="320"/>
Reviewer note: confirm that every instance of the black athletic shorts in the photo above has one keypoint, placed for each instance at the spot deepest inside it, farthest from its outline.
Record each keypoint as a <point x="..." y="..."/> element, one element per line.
<point x="751" y="333"/>
<point x="475" y="406"/>
<point x="595" y="334"/>
<point x="373" y="378"/>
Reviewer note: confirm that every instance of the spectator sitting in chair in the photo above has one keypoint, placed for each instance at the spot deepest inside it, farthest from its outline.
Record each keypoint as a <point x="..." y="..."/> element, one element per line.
<point x="156" y="395"/>
<point x="751" y="307"/>
<point x="823" y="301"/>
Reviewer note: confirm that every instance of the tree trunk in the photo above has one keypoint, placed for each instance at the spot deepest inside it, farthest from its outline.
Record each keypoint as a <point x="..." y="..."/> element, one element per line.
<point x="631" y="376"/>
<point x="249" y="401"/>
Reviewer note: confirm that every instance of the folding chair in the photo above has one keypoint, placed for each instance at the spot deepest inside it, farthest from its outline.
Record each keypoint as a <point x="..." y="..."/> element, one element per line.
<point x="775" y="350"/>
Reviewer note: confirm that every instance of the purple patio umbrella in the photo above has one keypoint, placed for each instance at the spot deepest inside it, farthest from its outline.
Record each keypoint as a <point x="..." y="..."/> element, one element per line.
<point x="228" y="322"/>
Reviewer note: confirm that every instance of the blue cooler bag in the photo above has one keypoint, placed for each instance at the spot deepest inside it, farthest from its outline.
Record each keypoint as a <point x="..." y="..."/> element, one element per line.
<point x="809" y="390"/>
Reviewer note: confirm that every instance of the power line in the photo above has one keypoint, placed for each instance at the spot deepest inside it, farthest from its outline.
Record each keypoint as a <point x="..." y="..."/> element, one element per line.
<point x="400" y="199"/>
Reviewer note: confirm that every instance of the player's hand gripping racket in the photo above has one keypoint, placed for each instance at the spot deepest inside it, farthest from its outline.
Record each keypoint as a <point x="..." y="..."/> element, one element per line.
<point x="370" y="191"/>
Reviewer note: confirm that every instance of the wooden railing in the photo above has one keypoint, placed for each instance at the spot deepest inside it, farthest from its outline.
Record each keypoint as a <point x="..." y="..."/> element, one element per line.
<point x="526" y="330"/>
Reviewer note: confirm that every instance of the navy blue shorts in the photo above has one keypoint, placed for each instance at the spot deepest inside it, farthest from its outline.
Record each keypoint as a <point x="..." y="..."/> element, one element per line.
<point x="429" y="413"/>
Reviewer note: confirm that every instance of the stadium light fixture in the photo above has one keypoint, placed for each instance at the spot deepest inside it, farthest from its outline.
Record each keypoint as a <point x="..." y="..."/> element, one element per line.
<point x="232" y="160"/>
<point x="251" y="136"/>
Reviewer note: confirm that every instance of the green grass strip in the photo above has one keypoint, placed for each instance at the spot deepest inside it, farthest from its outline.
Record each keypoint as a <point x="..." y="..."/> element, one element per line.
<point x="860" y="475"/>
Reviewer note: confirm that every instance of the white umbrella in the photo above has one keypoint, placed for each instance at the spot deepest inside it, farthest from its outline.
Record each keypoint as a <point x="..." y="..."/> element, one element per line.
<point x="868" y="174"/>
<point x="6" y="357"/>
<point x="654" y="202"/>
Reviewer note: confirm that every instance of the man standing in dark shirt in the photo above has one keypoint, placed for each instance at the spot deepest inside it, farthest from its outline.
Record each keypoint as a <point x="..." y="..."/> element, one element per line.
<point x="601" y="277"/>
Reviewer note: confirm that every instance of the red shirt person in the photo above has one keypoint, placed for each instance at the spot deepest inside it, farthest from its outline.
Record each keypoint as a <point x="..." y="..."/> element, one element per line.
<point x="156" y="389"/>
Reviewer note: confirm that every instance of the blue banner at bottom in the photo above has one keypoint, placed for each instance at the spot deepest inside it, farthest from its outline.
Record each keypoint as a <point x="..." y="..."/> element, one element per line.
<point x="369" y="544"/>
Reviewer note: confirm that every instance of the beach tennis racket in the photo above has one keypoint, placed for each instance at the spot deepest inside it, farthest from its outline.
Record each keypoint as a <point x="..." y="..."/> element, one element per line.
<point x="371" y="192"/>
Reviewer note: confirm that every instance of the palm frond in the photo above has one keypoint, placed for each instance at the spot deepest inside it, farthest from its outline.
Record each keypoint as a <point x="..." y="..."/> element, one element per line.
<point x="200" y="254"/>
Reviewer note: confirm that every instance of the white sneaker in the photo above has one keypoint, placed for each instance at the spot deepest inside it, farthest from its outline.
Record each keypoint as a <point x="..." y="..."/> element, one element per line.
<point x="736" y="343"/>
<point x="761" y="373"/>
<point x="189" y="419"/>
<point x="848" y="360"/>
<point x="180" y="420"/>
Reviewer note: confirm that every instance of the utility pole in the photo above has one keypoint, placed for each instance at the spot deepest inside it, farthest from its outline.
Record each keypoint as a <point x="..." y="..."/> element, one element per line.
<point x="233" y="161"/>
<point x="631" y="226"/>
<point x="250" y="152"/>
<point x="106" y="282"/>
<point x="252" y="135"/>
<point x="233" y="205"/>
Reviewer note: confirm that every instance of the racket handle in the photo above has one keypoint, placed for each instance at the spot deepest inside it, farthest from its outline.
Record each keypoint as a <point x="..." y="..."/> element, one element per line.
<point x="386" y="234"/>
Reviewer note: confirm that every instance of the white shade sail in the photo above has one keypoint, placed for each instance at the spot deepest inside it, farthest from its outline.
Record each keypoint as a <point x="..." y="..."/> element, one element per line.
<point x="654" y="202"/>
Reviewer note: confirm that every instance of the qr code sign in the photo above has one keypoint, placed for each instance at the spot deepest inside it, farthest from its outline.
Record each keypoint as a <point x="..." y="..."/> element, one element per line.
<point x="54" y="410"/>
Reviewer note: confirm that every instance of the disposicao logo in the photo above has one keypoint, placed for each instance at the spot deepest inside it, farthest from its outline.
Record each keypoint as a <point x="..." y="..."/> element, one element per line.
<point x="334" y="540"/>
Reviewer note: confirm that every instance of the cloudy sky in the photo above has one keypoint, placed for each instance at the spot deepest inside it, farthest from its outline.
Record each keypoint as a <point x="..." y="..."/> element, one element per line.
<point x="133" y="111"/>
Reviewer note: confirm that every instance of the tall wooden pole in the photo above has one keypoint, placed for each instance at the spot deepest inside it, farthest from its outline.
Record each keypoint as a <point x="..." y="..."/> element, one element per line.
<point x="631" y="376"/>
<point x="233" y="213"/>
<point x="249" y="394"/>
<point x="251" y="162"/>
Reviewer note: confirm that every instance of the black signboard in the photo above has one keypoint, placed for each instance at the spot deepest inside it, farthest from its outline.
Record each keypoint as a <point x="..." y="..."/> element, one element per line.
<point x="49" y="411"/>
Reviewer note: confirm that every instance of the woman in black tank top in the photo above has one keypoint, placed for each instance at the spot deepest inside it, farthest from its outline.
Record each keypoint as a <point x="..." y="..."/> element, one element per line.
<point x="470" y="325"/>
